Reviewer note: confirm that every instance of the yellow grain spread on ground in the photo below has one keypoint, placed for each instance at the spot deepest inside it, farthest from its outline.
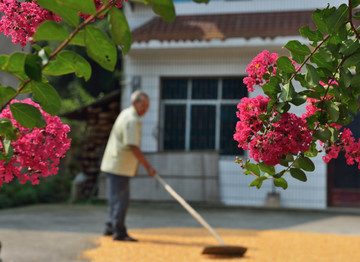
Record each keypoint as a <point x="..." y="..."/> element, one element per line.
<point x="186" y="244"/>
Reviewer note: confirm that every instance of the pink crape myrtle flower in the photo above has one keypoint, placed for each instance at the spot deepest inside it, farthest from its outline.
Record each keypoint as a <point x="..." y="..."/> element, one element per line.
<point x="289" y="135"/>
<point x="263" y="63"/>
<point x="37" y="151"/>
<point x="346" y="143"/>
<point x="21" y="19"/>
<point x="311" y="107"/>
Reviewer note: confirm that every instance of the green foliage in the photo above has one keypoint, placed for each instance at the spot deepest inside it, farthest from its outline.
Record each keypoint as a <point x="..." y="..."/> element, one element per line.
<point x="50" y="190"/>
<point x="51" y="30"/>
<point x="334" y="59"/>
<point x="95" y="40"/>
<point x="119" y="30"/>
<point x="47" y="96"/>
<point x="27" y="115"/>
<point x="164" y="8"/>
<point x="69" y="15"/>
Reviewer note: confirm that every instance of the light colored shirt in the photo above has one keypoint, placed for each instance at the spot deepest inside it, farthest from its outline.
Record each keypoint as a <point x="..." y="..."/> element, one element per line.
<point x="118" y="158"/>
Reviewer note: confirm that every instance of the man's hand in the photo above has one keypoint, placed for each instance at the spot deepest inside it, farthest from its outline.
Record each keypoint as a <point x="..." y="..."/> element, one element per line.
<point x="151" y="171"/>
<point x="140" y="156"/>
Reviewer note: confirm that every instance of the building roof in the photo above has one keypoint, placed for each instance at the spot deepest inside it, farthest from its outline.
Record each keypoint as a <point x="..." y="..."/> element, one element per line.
<point x="224" y="26"/>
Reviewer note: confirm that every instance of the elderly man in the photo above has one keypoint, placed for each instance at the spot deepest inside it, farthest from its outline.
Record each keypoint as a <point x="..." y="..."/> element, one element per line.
<point x="120" y="162"/>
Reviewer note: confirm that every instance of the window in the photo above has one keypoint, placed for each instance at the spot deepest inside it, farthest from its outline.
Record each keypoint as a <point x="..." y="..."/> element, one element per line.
<point x="200" y="113"/>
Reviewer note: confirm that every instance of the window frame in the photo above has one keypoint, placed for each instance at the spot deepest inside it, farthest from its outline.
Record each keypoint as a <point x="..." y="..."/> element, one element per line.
<point x="189" y="102"/>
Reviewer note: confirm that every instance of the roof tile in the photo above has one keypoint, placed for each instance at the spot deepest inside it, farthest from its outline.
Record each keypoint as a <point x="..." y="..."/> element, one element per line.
<point x="224" y="26"/>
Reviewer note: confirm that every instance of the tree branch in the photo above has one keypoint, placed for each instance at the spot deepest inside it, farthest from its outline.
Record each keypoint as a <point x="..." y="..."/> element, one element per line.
<point x="63" y="45"/>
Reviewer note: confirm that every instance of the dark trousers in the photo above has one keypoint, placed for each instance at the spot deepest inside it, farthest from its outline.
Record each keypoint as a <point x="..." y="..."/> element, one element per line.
<point x="118" y="199"/>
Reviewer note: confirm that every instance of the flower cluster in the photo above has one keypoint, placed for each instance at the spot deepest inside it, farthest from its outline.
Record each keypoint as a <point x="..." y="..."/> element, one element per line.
<point x="262" y="64"/>
<point x="346" y="143"/>
<point x="20" y="20"/>
<point x="311" y="107"/>
<point x="269" y="143"/>
<point x="37" y="151"/>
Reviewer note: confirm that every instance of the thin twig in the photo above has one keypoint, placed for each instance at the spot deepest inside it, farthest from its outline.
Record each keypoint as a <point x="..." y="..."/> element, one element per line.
<point x="307" y="59"/>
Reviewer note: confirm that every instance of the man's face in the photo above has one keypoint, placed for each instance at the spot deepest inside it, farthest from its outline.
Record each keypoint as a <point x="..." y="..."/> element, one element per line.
<point x="142" y="106"/>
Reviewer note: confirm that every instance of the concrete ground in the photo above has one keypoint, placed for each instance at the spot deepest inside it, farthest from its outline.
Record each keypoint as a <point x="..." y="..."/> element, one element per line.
<point x="58" y="233"/>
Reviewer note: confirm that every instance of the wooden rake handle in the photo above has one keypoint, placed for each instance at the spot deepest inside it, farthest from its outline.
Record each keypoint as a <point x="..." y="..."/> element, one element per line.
<point x="188" y="208"/>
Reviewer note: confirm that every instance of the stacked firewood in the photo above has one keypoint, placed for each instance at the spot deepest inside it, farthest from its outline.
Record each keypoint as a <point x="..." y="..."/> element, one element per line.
<point x="100" y="121"/>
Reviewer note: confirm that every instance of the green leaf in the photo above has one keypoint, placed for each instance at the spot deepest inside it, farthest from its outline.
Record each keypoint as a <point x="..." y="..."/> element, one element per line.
<point x="95" y="40"/>
<point x="355" y="3"/>
<point x="332" y="110"/>
<point x="52" y="31"/>
<point x="315" y="35"/>
<point x="254" y="168"/>
<point x="69" y="15"/>
<point x="83" y="6"/>
<point x="78" y="39"/>
<point x="311" y="76"/>
<point x="355" y="81"/>
<point x="47" y="96"/>
<point x="33" y="67"/>
<point x="27" y="115"/>
<point x="318" y="59"/>
<point x="16" y="65"/>
<point x="8" y="150"/>
<point x="288" y="92"/>
<point x="7" y="130"/>
<point x="258" y="181"/>
<point x="270" y="105"/>
<point x="353" y="60"/>
<point x="272" y="88"/>
<point x="58" y="67"/>
<point x="349" y="46"/>
<point x="337" y="18"/>
<point x="323" y="135"/>
<point x="295" y="47"/>
<point x="3" y="60"/>
<point x="298" y="174"/>
<point x="284" y="64"/>
<point x="346" y="76"/>
<point x="280" y="182"/>
<point x="119" y="29"/>
<point x="69" y="62"/>
<point x="81" y="66"/>
<point x="312" y="152"/>
<point x="267" y="169"/>
<point x="320" y="21"/>
<point x="304" y="163"/>
<point x="6" y="93"/>
<point x="282" y="107"/>
<point x="164" y="8"/>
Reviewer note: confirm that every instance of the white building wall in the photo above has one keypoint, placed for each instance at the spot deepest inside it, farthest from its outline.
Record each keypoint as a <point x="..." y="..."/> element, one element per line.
<point x="234" y="189"/>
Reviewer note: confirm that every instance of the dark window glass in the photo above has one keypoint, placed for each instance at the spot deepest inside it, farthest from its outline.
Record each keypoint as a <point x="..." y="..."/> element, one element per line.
<point x="204" y="89"/>
<point x="228" y="119"/>
<point x="174" y="130"/>
<point x="202" y="133"/>
<point x="347" y="176"/>
<point x="233" y="88"/>
<point x="174" y="89"/>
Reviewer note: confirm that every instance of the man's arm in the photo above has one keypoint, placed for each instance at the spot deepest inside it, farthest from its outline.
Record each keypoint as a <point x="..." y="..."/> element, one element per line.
<point x="142" y="159"/>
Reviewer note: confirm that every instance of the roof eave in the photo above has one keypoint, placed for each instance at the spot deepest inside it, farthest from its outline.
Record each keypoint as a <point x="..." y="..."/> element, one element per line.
<point x="215" y="43"/>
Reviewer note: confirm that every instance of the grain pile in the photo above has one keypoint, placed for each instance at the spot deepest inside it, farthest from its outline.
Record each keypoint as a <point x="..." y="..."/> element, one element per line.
<point x="186" y="244"/>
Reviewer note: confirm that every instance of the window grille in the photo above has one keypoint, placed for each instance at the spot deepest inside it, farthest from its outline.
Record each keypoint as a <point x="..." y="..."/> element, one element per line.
<point x="200" y="113"/>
